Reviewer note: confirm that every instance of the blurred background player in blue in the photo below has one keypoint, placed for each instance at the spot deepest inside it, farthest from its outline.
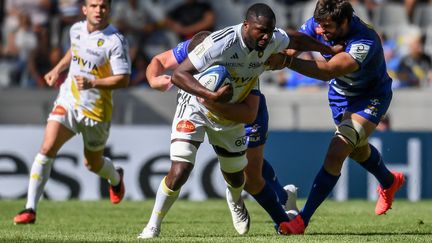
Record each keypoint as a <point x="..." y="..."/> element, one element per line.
<point x="359" y="96"/>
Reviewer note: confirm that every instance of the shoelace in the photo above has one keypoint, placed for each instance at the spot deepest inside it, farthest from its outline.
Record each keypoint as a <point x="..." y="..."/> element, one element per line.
<point x="382" y="193"/>
<point x="240" y="210"/>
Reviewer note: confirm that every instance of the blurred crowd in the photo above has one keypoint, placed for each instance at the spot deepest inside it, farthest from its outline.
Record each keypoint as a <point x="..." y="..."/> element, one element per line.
<point x="34" y="34"/>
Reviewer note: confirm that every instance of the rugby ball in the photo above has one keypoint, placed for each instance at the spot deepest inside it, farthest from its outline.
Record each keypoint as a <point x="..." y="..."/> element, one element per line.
<point x="214" y="77"/>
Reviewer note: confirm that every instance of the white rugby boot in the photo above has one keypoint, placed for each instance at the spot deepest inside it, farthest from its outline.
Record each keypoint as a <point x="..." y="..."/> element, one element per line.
<point x="149" y="232"/>
<point x="239" y="214"/>
<point x="290" y="206"/>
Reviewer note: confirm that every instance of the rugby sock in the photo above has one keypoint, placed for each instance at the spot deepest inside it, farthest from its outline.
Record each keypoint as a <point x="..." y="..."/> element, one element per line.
<point x="39" y="175"/>
<point x="109" y="172"/>
<point x="165" y="198"/>
<point x="268" y="200"/>
<point x="375" y="165"/>
<point x="236" y="191"/>
<point x="321" y="188"/>
<point x="271" y="179"/>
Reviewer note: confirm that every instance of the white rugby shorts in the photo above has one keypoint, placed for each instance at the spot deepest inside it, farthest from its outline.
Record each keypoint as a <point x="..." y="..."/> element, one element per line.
<point x="191" y="123"/>
<point x="95" y="134"/>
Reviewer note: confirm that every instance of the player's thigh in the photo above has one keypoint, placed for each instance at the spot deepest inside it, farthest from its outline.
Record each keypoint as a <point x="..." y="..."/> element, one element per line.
<point x="61" y="127"/>
<point x="230" y="144"/>
<point x="187" y="132"/>
<point x="258" y="130"/>
<point x="362" y="115"/>
<point x="95" y="134"/>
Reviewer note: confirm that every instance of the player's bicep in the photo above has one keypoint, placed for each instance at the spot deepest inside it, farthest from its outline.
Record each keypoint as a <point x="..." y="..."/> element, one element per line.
<point x="167" y="60"/>
<point x="342" y="64"/>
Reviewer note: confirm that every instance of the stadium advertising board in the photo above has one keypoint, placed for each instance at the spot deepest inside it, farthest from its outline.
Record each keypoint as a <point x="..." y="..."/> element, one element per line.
<point x="143" y="152"/>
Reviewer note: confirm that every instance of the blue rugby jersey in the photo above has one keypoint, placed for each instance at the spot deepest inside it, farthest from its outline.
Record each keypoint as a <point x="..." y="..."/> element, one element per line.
<point x="181" y="51"/>
<point x="364" y="45"/>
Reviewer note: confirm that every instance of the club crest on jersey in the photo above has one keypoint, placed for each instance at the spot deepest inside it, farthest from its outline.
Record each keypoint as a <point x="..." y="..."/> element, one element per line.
<point x="100" y="42"/>
<point x="260" y="54"/>
<point x="185" y="126"/>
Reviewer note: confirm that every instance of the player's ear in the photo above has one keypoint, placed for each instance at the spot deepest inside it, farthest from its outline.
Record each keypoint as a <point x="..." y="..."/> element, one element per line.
<point x="84" y="9"/>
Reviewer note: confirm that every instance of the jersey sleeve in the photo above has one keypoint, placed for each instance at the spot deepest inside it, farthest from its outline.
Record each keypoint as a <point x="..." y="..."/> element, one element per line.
<point x="309" y="27"/>
<point x="282" y="40"/>
<point x="360" y="49"/>
<point x="119" y="56"/>
<point x="211" y="49"/>
<point x="181" y="51"/>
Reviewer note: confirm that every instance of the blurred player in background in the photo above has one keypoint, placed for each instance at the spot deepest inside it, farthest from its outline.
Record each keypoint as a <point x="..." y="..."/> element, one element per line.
<point x="243" y="49"/>
<point x="98" y="62"/>
<point x="359" y="95"/>
<point x="256" y="131"/>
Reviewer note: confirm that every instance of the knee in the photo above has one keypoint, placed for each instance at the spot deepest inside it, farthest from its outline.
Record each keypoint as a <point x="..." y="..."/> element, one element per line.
<point x="48" y="151"/>
<point x="360" y="154"/>
<point x="178" y="175"/>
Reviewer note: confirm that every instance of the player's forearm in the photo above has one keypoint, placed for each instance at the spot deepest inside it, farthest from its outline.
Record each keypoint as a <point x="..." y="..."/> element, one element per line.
<point x="188" y="83"/>
<point x="112" y="82"/>
<point x="311" y="68"/>
<point x="64" y="62"/>
<point x="302" y="42"/>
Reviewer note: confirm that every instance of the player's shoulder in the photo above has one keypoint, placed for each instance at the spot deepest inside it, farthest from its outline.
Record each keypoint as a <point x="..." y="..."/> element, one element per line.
<point x="114" y="36"/>
<point x="78" y="26"/>
<point x="279" y="33"/>
<point x="225" y="34"/>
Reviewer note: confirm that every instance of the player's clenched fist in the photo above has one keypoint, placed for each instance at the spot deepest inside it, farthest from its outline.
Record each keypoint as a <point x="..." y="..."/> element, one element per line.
<point x="83" y="83"/>
<point x="51" y="77"/>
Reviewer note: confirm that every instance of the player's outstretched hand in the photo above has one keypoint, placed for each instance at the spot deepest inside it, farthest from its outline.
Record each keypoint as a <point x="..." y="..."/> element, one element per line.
<point x="83" y="83"/>
<point x="51" y="77"/>
<point x="224" y="94"/>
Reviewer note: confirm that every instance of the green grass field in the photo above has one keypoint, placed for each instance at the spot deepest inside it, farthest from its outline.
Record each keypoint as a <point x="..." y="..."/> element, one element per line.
<point x="209" y="221"/>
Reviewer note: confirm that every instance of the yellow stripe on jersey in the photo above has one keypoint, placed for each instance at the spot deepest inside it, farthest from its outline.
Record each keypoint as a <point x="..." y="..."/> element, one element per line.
<point x="75" y="92"/>
<point x="245" y="91"/>
<point x="102" y="109"/>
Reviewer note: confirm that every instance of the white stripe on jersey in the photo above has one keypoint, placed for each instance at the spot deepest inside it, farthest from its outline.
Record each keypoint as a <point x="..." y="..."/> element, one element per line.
<point x="95" y="55"/>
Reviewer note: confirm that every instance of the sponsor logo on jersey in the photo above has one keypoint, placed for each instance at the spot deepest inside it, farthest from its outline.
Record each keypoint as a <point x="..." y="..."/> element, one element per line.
<point x="235" y="56"/>
<point x="84" y="63"/>
<point x="233" y="64"/>
<point x="91" y="52"/>
<point x="241" y="141"/>
<point x="255" y="64"/>
<point x="359" y="51"/>
<point x="185" y="126"/>
<point x="58" y="110"/>
<point x="100" y="42"/>
<point x="371" y="110"/>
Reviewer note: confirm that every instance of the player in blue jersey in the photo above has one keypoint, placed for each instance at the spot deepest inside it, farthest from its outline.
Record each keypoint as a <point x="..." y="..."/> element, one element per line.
<point x="359" y="95"/>
<point x="256" y="131"/>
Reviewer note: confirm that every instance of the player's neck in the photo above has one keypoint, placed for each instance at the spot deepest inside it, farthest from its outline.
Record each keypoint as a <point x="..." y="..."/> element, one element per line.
<point x="92" y="28"/>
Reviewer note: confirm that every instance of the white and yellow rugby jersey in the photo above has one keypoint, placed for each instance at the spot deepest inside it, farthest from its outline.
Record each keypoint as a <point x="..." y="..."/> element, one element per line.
<point x="226" y="47"/>
<point x="95" y="55"/>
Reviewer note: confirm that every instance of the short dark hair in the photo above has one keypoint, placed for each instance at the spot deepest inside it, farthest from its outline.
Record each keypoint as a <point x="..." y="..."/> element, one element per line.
<point x="260" y="9"/>
<point x="84" y="2"/>
<point x="336" y="10"/>
<point x="197" y="39"/>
